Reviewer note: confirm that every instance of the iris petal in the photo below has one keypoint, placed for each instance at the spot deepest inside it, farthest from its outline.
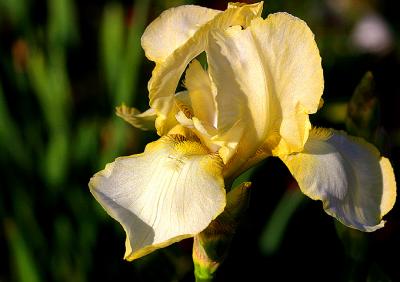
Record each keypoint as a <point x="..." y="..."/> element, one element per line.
<point x="269" y="77"/>
<point x="170" y="192"/>
<point x="172" y="29"/>
<point x="144" y="121"/>
<point x="355" y="184"/>
<point x="202" y="96"/>
<point x="166" y="74"/>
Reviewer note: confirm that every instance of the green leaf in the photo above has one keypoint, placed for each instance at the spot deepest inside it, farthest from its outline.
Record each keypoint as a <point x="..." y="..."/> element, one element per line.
<point x="124" y="84"/>
<point x="51" y="86"/>
<point x="62" y="29"/>
<point x="21" y="256"/>
<point x="112" y="40"/>
<point x="245" y="176"/>
<point x="85" y="147"/>
<point x="363" y="109"/>
<point x="15" y="10"/>
<point x="10" y="139"/>
<point x="132" y="56"/>
<point x="56" y="160"/>
<point x="275" y="228"/>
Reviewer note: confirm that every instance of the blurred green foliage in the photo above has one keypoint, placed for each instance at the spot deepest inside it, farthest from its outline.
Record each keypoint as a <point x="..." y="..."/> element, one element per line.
<point x="65" y="65"/>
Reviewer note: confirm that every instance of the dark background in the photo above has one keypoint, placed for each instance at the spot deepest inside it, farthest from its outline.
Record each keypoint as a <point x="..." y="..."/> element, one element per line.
<point x="65" y="65"/>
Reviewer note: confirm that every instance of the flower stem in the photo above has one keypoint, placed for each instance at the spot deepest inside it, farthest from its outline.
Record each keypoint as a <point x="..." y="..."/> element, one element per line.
<point x="210" y="247"/>
<point x="204" y="266"/>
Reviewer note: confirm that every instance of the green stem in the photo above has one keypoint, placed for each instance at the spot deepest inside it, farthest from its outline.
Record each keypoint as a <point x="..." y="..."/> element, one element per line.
<point x="211" y="246"/>
<point x="204" y="266"/>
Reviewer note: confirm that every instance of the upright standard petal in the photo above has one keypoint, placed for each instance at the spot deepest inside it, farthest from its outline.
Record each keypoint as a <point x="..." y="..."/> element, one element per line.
<point x="296" y="77"/>
<point x="170" y="192"/>
<point x="347" y="174"/>
<point x="268" y="75"/>
<point x="172" y="29"/>
<point x="202" y="96"/>
<point x="166" y="74"/>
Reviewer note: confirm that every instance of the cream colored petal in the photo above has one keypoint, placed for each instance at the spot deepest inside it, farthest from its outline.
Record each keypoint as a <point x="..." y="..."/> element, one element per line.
<point x="184" y="120"/>
<point x="167" y="73"/>
<point x="184" y="104"/>
<point x="297" y="75"/>
<point x="355" y="184"/>
<point x="198" y="84"/>
<point x="254" y="8"/>
<point x="170" y="192"/>
<point x="185" y="117"/>
<point x="230" y="74"/>
<point x="270" y="77"/>
<point x="172" y="29"/>
<point x="144" y="121"/>
<point x="202" y="132"/>
<point x="206" y="133"/>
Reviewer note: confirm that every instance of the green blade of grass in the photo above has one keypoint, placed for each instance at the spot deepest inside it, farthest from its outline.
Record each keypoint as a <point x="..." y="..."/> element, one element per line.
<point x="62" y="29"/>
<point x="10" y="139"/>
<point x="275" y="228"/>
<point x="127" y="75"/>
<point x="21" y="256"/>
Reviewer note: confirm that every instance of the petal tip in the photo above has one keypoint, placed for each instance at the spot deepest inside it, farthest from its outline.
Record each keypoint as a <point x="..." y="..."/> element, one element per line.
<point x="389" y="186"/>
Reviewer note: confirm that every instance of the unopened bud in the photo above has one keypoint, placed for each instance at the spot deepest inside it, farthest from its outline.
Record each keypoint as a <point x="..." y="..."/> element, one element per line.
<point x="211" y="246"/>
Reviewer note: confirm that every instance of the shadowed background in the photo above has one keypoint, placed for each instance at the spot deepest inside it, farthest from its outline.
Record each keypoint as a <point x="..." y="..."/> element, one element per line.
<point x="66" y="64"/>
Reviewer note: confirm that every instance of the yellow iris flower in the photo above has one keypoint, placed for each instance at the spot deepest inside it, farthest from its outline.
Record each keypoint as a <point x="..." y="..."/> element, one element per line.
<point x="264" y="78"/>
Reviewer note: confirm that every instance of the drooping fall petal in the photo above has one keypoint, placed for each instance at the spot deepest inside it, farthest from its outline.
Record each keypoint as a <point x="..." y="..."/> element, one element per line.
<point x="355" y="184"/>
<point x="170" y="192"/>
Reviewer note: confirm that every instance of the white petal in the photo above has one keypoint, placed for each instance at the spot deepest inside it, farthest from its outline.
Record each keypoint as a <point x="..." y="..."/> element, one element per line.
<point x="170" y="192"/>
<point x="347" y="174"/>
